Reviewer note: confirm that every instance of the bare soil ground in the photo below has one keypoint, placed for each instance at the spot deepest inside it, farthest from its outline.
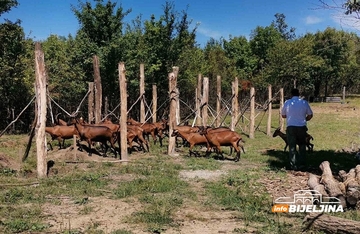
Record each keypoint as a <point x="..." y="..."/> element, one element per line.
<point x="109" y="214"/>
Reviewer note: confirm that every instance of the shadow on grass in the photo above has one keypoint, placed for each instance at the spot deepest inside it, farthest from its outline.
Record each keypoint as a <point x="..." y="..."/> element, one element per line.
<point x="98" y="152"/>
<point x="338" y="160"/>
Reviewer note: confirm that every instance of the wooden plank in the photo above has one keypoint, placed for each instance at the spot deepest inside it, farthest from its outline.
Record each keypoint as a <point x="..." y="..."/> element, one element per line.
<point x="333" y="99"/>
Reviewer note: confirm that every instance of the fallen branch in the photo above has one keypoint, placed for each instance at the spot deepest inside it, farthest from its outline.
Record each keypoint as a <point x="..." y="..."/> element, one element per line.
<point x="331" y="224"/>
<point x="25" y="184"/>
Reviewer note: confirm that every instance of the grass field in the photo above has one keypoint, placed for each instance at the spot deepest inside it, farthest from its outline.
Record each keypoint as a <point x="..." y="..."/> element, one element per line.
<point x="157" y="193"/>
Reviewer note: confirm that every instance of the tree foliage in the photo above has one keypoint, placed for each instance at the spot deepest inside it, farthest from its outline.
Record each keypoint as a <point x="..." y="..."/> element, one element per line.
<point x="6" y="5"/>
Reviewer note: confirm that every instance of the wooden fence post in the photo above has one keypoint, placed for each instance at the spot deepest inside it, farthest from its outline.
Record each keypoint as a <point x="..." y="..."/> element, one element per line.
<point x="91" y="102"/>
<point x="205" y="101"/>
<point x="123" y="112"/>
<point x="235" y="103"/>
<point x="218" y="101"/>
<point x="281" y="120"/>
<point x="98" y="89"/>
<point x="172" y="112"/>
<point x="40" y="84"/>
<point x="142" y="93"/>
<point x="252" y="113"/>
<point x="177" y="113"/>
<point x="106" y="105"/>
<point x="268" y="127"/>
<point x="198" y="100"/>
<point x="154" y="103"/>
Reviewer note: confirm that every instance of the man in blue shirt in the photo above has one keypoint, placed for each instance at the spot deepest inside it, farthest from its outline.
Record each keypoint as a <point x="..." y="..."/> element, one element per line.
<point x="297" y="112"/>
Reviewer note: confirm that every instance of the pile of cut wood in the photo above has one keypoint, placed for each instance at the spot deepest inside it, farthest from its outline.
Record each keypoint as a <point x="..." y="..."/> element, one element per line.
<point x="346" y="188"/>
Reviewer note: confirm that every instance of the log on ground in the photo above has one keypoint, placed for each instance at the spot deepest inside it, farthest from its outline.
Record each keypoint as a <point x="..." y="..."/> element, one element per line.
<point x="331" y="224"/>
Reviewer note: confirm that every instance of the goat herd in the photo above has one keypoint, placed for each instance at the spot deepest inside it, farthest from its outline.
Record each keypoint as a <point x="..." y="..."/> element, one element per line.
<point x="138" y="136"/>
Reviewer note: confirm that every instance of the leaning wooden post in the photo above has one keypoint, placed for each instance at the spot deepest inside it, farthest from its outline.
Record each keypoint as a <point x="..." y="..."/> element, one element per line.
<point x="91" y="102"/>
<point x="252" y="113"/>
<point x="106" y="105"/>
<point x="205" y="101"/>
<point x="123" y="112"/>
<point x="344" y="92"/>
<point x="178" y="120"/>
<point x="40" y="85"/>
<point x="281" y="120"/>
<point x="268" y="127"/>
<point x="98" y="89"/>
<point x="172" y="112"/>
<point x="198" y="100"/>
<point x="218" y="101"/>
<point x="142" y="93"/>
<point x="154" y="103"/>
<point x="235" y="103"/>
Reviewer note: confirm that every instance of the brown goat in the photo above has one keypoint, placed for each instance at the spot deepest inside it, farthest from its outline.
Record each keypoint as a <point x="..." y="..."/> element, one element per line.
<point x="193" y="138"/>
<point x="61" y="133"/>
<point x="222" y="137"/>
<point x="162" y="127"/>
<point x="92" y="134"/>
<point x="187" y="129"/>
<point x="149" y="128"/>
<point x="283" y="136"/>
<point x="134" y="134"/>
<point x="59" y="121"/>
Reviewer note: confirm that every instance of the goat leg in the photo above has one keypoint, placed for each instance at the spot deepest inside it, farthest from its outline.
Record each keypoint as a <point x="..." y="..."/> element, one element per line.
<point x="242" y="147"/>
<point x="310" y="147"/>
<point x="160" y="141"/>
<point x="51" y="148"/>
<point x="105" y="146"/>
<point x="90" y="149"/>
<point x="286" y="147"/>
<point x="222" y="155"/>
<point x="237" y="158"/>
<point x="231" y="150"/>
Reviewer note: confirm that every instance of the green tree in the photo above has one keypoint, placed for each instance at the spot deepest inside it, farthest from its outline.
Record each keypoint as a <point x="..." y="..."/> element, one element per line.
<point x="65" y="78"/>
<point x="238" y="50"/>
<point x="6" y="5"/>
<point x="283" y="28"/>
<point x="99" y="34"/>
<point x="160" y="43"/>
<point x="14" y="84"/>
<point x="337" y="49"/>
<point x="218" y="63"/>
<point x="262" y="40"/>
<point x="291" y="65"/>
